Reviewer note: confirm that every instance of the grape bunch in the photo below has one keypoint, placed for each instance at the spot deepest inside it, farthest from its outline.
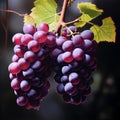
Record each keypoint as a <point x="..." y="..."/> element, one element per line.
<point x="74" y="63"/>
<point x="30" y="68"/>
<point x="38" y="52"/>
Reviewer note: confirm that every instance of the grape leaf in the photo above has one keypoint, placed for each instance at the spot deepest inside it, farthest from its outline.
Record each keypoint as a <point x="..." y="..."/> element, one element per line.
<point x="43" y="11"/>
<point x="89" y="11"/>
<point x="105" y="32"/>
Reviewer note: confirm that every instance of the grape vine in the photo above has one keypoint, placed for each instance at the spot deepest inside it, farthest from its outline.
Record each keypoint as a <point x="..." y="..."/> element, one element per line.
<point x="55" y="45"/>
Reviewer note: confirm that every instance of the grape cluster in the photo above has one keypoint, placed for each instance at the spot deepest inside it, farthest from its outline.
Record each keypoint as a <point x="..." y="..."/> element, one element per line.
<point x="74" y="63"/>
<point x="30" y="67"/>
<point x="37" y="52"/>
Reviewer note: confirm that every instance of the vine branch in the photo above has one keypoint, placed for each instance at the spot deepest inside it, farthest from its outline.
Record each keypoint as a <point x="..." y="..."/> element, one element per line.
<point x="61" y="20"/>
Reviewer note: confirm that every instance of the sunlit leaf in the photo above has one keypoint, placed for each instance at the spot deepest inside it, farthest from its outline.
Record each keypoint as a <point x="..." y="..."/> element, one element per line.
<point x="89" y="11"/>
<point x="43" y="11"/>
<point x="105" y="32"/>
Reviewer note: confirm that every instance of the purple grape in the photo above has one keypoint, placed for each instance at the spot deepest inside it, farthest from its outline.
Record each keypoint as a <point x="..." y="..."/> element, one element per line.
<point x="34" y="46"/>
<point x="36" y="65"/>
<point x="29" y="73"/>
<point x="69" y="88"/>
<point x="24" y="85"/>
<point x="43" y="27"/>
<point x="15" y="84"/>
<point x="14" y="68"/>
<point x="64" y="79"/>
<point x="29" y="29"/>
<point x="87" y="34"/>
<point x="65" y="69"/>
<point x="40" y="36"/>
<point x="73" y="28"/>
<point x="16" y="39"/>
<point x="50" y="41"/>
<point x="78" y="40"/>
<point x="30" y="56"/>
<point x="74" y="78"/>
<point x="60" y="40"/>
<point x="19" y="51"/>
<point x="60" y="88"/>
<point x="55" y="52"/>
<point x="67" y="45"/>
<point x="67" y="57"/>
<point x="21" y="100"/>
<point x="15" y="58"/>
<point x="78" y="54"/>
<point x="23" y="64"/>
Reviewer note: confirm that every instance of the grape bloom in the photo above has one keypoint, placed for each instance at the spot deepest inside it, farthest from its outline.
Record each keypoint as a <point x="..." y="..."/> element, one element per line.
<point x="38" y="51"/>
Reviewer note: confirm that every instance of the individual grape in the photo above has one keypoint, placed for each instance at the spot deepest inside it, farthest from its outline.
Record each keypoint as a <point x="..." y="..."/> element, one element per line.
<point x="26" y="38"/>
<point x="24" y="85"/>
<point x="19" y="51"/>
<point x="16" y="39"/>
<point x="15" y="84"/>
<point x="30" y="56"/>
<point x="87" y="34"/>
<point x="67" y="45"/>
<point x="60" y="58"/>
<point x="65" y="69"/>
<point x="40" y="36"/>
<point x="43" y="27"/>
<point x="78" y="40"/>
<point x="55" y="52"/>
<point x="71" y="29"/>
<point x="60" y="88"/>
<point x="21" y="101"/>
<point x="78" y="54"/>
<point x="41" y="54"/>
<point x="29" y="29"/>
<point x="50" y="41"/>
<point x="67" y="57"/>
<point x="74" y="78"/>
<point x="60" y="40"/>
<point x="36" y="65"/>
<point x="14" y="68"/>
<point x="64" y="32"/>
<point x="88" y="60"/>
<point x="15" y="58"/>
<point x="34" y="46"/>
<point x="29" y="73"/>
<point x="88" y="45"/>
<point x="64" y="79"/>
<point x="69" y="88"/>
<point x="23" y="64"/>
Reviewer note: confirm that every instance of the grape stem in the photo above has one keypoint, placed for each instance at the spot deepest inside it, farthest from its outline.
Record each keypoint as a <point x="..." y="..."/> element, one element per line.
<point x="61" y="20"/>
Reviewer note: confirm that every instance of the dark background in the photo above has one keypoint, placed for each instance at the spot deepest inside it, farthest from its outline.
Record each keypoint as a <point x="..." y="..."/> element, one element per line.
<point x="104" y="101"/>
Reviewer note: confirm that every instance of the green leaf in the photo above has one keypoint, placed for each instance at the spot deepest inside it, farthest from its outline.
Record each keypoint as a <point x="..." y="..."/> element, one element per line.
<point x="105" y="32"/>
<point x="89" y="11"/>
<point x="43" y="11"/>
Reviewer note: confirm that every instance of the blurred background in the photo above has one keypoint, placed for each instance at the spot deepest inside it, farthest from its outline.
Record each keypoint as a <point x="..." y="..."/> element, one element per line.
<point x="104" y="101"/>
